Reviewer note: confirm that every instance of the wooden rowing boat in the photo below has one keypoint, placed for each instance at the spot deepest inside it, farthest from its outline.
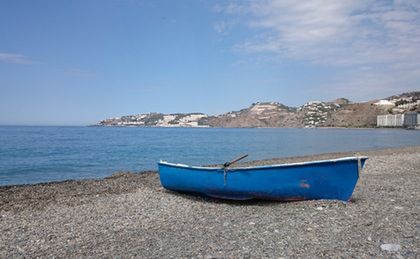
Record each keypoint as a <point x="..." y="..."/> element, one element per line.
<point x="326" y="179"/>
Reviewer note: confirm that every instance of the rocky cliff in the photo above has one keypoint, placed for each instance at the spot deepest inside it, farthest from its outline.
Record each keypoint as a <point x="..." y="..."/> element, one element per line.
<point x="338" y="113"/>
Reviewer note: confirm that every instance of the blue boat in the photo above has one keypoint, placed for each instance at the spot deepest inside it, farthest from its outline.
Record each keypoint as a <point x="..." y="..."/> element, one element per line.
<point x="326" y="179"/>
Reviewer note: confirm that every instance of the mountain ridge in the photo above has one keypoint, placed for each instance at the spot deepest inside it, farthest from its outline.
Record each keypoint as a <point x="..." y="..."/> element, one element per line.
<point x="338" y="113"/>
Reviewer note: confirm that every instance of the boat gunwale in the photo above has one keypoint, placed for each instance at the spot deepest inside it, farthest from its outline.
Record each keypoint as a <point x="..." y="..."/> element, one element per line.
<point x="343" y="159"/>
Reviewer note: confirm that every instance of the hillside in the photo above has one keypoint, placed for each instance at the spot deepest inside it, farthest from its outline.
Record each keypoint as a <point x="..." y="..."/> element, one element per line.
<point x="270" y="114"/>
<point x="338" y="113"/>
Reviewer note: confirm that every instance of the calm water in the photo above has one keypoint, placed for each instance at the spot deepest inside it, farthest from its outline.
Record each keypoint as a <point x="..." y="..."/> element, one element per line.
<point x="41" y="154"/>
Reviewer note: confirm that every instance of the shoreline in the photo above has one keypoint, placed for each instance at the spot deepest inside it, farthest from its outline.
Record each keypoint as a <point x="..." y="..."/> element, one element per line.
<point x="198" y="127"/>
<point x="268" y="161"/>
<point x="205" y="127"/>
<point x="131" y="215"/>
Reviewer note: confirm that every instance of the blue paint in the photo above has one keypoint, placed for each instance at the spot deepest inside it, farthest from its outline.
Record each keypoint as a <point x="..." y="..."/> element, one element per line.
<point x="328" y="179"/>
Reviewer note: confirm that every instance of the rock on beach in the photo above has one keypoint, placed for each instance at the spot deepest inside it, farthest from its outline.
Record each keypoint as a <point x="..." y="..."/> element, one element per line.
<point x="131" y="215"/>
<point x="390" y="247"/>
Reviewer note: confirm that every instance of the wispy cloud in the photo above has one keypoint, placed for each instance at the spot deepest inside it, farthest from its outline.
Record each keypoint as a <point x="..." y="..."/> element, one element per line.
<point x="16" y="58"/>
<point x="381" y="35"/>
<point x="332" y="32"/>
<point x="223" y="27"/>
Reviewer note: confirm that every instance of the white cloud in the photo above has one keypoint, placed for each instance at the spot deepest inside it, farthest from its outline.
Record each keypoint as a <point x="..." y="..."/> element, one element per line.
<point x="223" y="27"/>
<point x="381" y="35"/>
<point x="332" y="32"/>
<point x="16" y="58"/>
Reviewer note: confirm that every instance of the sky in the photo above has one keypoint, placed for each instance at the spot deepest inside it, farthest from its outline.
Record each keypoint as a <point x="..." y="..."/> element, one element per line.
<point x="77" y="62"/>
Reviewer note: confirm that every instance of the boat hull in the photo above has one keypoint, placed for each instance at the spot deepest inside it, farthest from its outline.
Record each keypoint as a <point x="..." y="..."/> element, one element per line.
<point x="327" y="179"/>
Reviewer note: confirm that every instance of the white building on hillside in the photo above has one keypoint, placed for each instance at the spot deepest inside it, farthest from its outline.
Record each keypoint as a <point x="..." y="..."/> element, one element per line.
<point x="384" y="103"/>
<point x="398" y="120"/>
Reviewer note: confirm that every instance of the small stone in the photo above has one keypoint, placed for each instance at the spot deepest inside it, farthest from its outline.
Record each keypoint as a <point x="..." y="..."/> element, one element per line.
<point x="390" y="247"/>
<point x="319" y="208"/>
<point x="309" y="229"/>
<point x="226" y="224"/>
<point x="369" y="238"/>
<point x="251" y="223"/>
<point x="398" y="208"/>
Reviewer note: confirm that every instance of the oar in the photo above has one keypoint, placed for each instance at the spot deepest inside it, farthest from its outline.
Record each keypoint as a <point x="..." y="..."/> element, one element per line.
<point x="227" y="164"/>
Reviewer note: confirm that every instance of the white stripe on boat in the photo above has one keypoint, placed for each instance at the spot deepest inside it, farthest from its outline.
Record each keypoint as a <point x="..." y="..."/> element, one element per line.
<point x="266" y="166"/>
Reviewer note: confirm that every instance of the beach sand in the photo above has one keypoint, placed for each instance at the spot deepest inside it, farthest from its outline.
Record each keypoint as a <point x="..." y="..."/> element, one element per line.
<point x="131" y="215"/>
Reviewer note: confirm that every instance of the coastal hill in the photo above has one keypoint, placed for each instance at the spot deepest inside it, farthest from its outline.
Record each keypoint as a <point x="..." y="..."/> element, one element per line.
<point x="338" y="113"/>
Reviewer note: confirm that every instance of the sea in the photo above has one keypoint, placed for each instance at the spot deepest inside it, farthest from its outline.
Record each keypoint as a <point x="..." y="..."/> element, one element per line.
<point x="32" y="154"/>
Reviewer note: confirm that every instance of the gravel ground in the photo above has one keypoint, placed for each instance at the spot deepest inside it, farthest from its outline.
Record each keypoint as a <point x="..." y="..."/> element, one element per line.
<point x="131" y="215"/>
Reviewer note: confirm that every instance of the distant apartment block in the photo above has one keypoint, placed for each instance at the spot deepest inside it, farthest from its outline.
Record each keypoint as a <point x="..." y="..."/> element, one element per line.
<point x="398" y="120"/>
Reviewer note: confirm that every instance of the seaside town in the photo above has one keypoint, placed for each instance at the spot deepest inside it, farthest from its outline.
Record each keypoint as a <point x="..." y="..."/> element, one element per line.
<point x="395" y="111"/>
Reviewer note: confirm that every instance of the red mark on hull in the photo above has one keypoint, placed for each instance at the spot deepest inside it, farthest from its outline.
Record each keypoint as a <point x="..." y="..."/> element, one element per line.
<point x="304" y="184"/>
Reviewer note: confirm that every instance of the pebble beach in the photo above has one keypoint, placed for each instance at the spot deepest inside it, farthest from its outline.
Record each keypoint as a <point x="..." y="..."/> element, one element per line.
<point x="130" y="215"/>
